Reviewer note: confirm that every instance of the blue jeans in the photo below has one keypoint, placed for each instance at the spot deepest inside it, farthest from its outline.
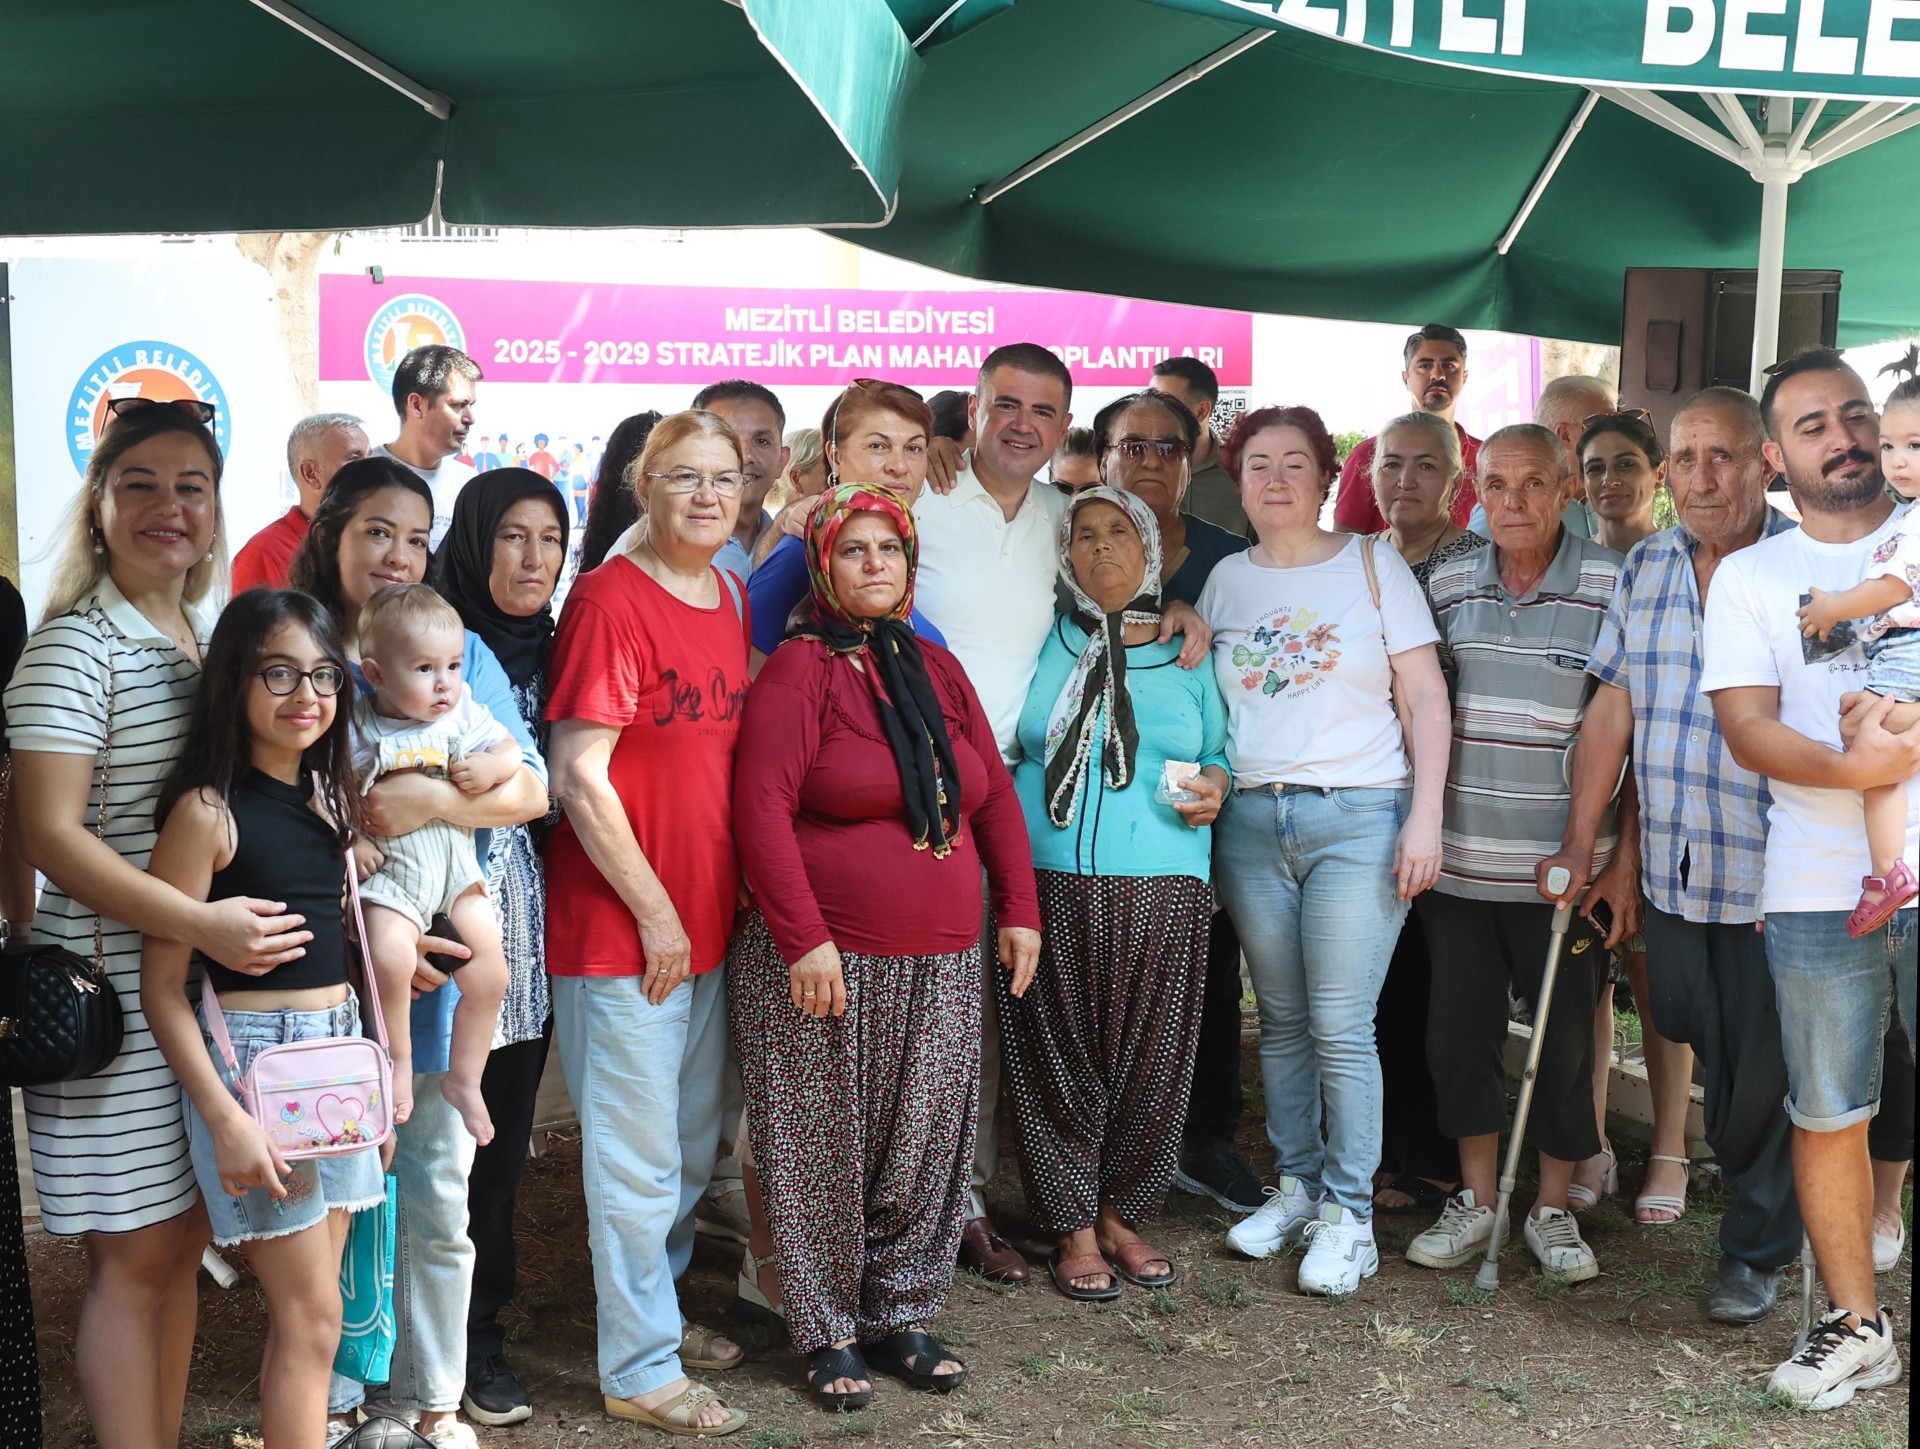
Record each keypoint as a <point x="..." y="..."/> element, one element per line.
<point x="1307" y="876"/>
<point x="1836" y="997"/>
<point x="646" y="1081"/>
<point x="433" y="1259"/>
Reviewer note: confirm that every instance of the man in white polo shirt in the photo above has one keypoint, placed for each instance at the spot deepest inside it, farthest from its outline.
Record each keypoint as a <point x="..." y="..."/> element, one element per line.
<point x="1779" y="699"/>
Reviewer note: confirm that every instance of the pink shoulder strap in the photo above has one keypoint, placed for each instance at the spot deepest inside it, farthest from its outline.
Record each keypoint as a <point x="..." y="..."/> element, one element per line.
<point x="216" y="1017"/>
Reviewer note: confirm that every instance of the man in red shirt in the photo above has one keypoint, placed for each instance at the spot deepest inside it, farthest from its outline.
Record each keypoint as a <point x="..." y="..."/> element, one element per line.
<point x="1435" y="374"/>
<point x="317" y="448"/>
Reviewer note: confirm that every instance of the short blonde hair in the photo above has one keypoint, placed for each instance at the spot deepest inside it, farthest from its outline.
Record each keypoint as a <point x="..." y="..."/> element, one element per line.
<point x="806" y="447"/>
<point x="669" y="433"/>
<point x="401" y="612"/>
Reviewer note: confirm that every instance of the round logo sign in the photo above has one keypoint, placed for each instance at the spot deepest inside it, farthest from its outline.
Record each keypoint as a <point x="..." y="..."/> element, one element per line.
<point x="409" y="321"/>
<point x="158" y="370"/>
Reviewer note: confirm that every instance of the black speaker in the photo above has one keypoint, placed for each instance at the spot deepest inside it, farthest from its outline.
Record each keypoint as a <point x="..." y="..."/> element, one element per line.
<point x="1685" y="328"/>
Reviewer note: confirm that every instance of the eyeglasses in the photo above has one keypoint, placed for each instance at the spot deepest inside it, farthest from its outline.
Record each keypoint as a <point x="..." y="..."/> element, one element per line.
<point x="200" y="411"/>
<point x="1631" y="415"/>
<point x="1134" y="449"/>
<point x="327" y="680"/>
<point x="685" y="480"/>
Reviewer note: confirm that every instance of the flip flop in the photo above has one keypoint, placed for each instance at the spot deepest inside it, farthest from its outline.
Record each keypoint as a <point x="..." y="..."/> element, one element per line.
<point x="825" y="1365"/>
<point x="678" y="1414"/>
<point x="1083" y="1265"/>
<point x="891" y="1354"/>
<point x="1427" y="1197"/>
<point x="1130" y="1260"/>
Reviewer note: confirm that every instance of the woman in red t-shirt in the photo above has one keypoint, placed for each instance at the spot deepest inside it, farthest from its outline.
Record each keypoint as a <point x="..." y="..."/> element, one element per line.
<point x="649" y="677"/>
<point x="869" y="792"/>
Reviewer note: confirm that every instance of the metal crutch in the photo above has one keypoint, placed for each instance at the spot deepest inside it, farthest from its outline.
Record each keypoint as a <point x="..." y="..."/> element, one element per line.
<point x="1558" y="879"/>
<point x="1809" y="1282"/>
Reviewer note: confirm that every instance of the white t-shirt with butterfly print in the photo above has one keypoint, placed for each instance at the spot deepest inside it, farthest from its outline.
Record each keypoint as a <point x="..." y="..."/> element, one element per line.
<point x="1302" y="659"/>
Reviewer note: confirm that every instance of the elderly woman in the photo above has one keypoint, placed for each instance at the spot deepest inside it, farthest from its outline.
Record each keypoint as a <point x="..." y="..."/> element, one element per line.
<point x="807" y="469"/>
<point x="1624" y="467"/>
<point x="1417" y="467"/>
<point x="647" y="687"/>
<point x="869" y="794"/>
<point x="371" y="531"/>
<point x="498" y="566"/>
<point x="95" y="714"/>
<point x="1122" y="769"/>
<point x="1144" y="443"/>
<point x="1517" y="624"/>
<point x="1333" y="825"/>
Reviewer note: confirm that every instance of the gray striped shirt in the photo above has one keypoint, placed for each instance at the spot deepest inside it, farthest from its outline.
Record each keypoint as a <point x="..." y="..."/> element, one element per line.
<point x="1518" y="667"/>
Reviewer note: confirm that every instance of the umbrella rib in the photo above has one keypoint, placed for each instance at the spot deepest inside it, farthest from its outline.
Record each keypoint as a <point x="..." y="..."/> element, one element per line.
<point x="1832" y="147"/>
<point x="1546" y="175"/>
<point x="1665" y="114"/>
<point x="945" y="15"/>
<point x="1177" y="82"/>
<point x="1739" y="124"/>
<point x="433" y="102"/>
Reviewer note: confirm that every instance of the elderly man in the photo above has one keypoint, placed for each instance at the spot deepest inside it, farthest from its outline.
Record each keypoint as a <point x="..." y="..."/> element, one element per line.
<point x="317" y="448"/>
<point x="1434" y="373"/>
<point x="1564" y="405"/>
<point x="1779" y="697"/>
<point x="1702" y="828"/>
<point x="1517" y="625"/>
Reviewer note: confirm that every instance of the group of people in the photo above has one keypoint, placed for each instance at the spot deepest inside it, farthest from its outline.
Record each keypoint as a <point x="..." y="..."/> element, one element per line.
<point x="823" y="842"/>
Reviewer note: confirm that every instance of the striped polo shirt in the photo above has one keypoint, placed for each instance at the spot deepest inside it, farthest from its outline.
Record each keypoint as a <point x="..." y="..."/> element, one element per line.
<point x="1518" y="667"/>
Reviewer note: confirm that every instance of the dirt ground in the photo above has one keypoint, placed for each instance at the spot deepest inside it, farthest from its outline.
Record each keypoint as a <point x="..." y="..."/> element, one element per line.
<point x="1231" y="1355"/>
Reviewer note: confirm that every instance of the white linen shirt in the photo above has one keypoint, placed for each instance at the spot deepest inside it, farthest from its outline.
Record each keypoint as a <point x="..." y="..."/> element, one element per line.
<point x="985" y="581"/>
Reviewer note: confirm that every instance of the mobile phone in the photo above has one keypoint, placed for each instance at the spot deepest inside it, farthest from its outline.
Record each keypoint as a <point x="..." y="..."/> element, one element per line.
<point x="1602" y="917"/>
<point x="442" y="926"/>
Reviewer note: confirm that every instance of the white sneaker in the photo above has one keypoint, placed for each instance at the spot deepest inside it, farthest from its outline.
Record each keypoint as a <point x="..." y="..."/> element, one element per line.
<point x="1838" y="1361"/>
<point x="453" y="1434"/>
<point x="1340" y="1252"/>
<point x="1554" y="1238"/>
<point x="1278" y="1223"/>
<point x="1888" y="1248"/>
<point x="1459" y="1237"/>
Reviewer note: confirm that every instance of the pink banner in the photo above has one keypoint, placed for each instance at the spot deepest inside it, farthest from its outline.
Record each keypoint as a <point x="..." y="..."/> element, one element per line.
<point x="610" y="333"/>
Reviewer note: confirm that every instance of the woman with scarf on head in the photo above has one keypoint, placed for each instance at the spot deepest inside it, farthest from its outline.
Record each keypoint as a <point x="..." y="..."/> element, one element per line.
<point x="1123" y="769"/>
<point x="499" y="566"/>
<point x="867" y="794"/>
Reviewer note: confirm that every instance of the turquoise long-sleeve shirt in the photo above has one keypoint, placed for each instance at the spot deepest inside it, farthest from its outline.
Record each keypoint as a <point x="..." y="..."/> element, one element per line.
<point x="1180" y="716"/>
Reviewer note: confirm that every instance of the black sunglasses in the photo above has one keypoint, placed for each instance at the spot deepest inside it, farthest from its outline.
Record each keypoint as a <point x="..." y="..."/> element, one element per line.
<point x="200" y="411"/>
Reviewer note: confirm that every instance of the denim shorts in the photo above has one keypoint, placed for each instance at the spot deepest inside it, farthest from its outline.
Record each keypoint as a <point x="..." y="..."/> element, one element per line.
<point x="1893" y="665"/>
<point x="1836" y="997"/>
<point x="352" y="1180"/>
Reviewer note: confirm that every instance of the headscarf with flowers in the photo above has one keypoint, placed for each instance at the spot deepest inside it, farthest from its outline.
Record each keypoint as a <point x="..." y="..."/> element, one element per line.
<point x="910" y="714"/>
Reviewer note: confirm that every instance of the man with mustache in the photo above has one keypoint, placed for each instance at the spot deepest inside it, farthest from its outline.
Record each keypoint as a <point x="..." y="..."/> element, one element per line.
<point x="1702" y="828"/>
<point x="1779" y="699"/>
<point x="1434" y="371"/>
<point x="433" y="391"/>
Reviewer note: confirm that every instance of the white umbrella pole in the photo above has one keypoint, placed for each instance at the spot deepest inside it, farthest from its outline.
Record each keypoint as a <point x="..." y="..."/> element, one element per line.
<point x="1771" y="277"/>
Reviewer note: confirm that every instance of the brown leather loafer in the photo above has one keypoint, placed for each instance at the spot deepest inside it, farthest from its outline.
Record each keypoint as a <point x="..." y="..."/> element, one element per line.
<point x="984" y="1251"/>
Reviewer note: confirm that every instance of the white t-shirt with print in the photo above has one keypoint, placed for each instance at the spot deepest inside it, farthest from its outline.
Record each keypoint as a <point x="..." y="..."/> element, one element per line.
<point x="1816" y="837"/>
<point x="1897" y="557"/>
<point x="1302" y="658"/>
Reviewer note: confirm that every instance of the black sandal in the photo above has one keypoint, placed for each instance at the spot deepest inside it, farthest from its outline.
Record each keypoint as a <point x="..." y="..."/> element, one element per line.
<point x="1426" y="1196"/>
<point x="824" y="1365"/>
<point x="892" y="1355"/>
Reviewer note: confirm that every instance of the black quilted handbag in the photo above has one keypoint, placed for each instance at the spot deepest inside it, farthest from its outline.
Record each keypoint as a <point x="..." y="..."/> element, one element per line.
<point x="60" y="1016"/>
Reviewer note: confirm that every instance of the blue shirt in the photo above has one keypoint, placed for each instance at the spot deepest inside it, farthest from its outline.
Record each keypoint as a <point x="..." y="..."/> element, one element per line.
<point x="432" y="1017"/>
<point x="1703" y="818"/>
<point x="781" y="582"/>
<point x="1180" y="716"/>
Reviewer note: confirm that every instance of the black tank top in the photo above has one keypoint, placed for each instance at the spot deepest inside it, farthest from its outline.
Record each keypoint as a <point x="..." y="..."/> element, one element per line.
<point x="285" y="852"/>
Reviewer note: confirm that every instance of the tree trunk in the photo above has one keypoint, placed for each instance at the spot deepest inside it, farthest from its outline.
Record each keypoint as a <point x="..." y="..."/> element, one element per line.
<point x="292" y="259"/>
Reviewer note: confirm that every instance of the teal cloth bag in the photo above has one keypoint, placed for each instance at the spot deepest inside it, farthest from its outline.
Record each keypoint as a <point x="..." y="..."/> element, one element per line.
<point x="366" y="1292"/>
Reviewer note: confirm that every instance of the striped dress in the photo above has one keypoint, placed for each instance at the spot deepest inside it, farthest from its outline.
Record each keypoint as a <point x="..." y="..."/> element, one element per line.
<point x="110" y="1151"/>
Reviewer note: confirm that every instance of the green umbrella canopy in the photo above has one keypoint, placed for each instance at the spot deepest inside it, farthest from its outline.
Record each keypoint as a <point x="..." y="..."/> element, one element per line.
<point x="1313" y="175"/>
<point x="216" y="115"/>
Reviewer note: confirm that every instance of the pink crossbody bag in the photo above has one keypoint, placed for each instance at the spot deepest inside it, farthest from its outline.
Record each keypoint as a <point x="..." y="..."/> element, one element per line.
<point x="322" y="1097"/>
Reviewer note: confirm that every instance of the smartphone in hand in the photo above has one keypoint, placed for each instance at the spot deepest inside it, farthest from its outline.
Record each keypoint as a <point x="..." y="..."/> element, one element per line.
<point x="442" y="926"/>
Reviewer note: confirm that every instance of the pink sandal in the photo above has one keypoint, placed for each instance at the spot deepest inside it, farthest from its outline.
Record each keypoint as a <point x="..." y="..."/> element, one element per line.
<point x="1881" y="897"/>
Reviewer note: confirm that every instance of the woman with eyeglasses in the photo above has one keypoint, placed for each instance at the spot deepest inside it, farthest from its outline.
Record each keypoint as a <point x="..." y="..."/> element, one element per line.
<point x="370" y="532"/>
<point x="648" y="685"/>
<point x="1624" y="468"/>
<point x="96" y="714"/>
<point x="1332" y="827"/>
<point x="869" y="795"/>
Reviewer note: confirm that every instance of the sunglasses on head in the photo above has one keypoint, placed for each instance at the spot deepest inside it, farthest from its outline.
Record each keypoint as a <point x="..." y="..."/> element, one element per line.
<point x="1631" y="415"/>
<point x="201" y="412"/>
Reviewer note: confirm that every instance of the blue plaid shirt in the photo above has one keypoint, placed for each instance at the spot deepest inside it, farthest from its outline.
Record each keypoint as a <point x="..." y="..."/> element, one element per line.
<point x="1703" y="828"/>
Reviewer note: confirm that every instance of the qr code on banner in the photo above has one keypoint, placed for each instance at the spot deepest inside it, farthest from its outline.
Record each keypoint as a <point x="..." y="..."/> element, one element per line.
<point x="1228" y="409"/>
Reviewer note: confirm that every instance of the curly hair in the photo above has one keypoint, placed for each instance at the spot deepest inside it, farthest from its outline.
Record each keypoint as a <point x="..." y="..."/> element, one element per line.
<point x="1319" y="440"/>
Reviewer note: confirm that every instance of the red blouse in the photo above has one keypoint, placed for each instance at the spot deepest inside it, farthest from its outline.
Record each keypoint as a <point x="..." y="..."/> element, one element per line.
<point x="820" y="817"/>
